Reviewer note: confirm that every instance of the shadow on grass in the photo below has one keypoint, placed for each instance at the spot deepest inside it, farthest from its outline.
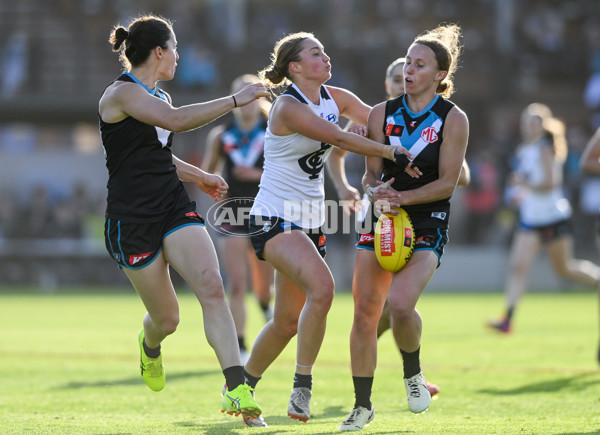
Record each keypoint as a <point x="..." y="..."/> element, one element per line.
<point x="597" y="431"/>
<point x="578" y="382"/>
<point x="135" y="380"/>
<point x="278" y="424"/>
<point x="291" y="427"/>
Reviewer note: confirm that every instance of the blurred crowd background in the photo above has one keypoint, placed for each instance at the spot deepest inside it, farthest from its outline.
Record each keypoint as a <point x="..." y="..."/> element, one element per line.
<point x="57" y="61"/>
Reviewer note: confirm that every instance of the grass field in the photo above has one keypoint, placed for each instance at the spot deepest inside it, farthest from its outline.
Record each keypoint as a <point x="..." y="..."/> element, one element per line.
<point x="70" y="364"/>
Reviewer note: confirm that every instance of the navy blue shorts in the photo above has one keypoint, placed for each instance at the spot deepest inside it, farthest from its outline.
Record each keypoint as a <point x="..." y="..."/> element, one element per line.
<point x="549" y="232"/>
<point x="135" y="245"/>
<point x="263" y="229"/>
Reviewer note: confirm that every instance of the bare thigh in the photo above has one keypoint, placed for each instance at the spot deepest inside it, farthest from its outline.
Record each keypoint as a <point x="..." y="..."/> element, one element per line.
<point x="191" y="252"/>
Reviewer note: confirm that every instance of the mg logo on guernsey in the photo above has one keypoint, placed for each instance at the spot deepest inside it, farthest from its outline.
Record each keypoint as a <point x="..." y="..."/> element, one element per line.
<point x="429" y="135"/>
<point x="387" y="237"/>
<point x="134" y="259"/>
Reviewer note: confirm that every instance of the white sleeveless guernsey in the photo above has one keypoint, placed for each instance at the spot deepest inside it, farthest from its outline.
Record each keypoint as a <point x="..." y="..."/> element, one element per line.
<point x="292" y="183"/>
<point x="540" y="207"/>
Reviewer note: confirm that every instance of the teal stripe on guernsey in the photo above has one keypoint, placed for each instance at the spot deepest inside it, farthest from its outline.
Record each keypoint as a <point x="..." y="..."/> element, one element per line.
<point x="416" y="115"/>
<point x="155" y="91"/>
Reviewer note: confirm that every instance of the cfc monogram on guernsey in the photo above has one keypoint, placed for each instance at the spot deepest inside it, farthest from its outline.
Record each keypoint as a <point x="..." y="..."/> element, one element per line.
<point x="313" y="163"/>
<point x="422" y="135"/>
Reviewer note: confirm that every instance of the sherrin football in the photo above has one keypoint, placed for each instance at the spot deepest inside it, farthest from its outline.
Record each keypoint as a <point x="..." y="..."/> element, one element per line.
<point x="394" y="241"/>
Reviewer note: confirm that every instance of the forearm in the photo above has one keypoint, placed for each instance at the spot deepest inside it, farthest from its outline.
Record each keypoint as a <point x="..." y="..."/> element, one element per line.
<point x="434" y="191"/>
<point x="336" y="168"/>
<point x="196" y="115"/>
<point x="369" y="179"/>
<point x="187" y="172"/>
<point x="360" y="145"/>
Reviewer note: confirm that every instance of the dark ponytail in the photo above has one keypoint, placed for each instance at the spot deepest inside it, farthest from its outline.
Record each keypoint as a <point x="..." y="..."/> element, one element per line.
<point x="120" y="35"/>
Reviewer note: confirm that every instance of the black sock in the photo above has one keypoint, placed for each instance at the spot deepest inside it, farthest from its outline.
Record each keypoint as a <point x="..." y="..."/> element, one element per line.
<point x="302" y="381"/>
<point x="241" y="342"/>
<point x="509" y="313"/>
<point x="151" y="353"/>
<point x="412" y="365"/>
<point x="362" y="391"/>
<point x="234" y="377"/>
<point x="251" y="380"/>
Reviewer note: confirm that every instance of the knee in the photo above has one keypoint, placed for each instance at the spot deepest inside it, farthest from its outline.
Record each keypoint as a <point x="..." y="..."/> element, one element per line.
<point x="285" y="328"/>
<point x="518" y="268"/>
<point x="562" y="270"/>
<point x="167" y="324"/>
<point x="366" y="315"/>
<point x="321" y="297"/>
<point x="237" y="285"/>
<point x="212" y="285"/>
<point x="401" y="313"/>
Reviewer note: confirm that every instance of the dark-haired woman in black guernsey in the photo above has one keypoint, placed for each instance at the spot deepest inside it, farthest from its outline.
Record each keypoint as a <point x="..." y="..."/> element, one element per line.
<point x="151" y="222"/>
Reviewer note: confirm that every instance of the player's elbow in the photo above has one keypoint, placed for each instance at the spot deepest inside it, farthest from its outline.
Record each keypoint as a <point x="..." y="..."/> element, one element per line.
<point x="177" y="122"/>
<point x="340" y="139"/>
<point x="447" y="188"/>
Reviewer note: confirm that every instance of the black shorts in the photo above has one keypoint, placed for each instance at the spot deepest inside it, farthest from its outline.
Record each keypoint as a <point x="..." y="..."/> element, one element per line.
<point x="234" y="230"/>
<point x="549" y="232"/>
<point x="231" y="216"/>
<point x="263" y="228"/>
<point x="135" y="245"/>
<point x="426" y="239"/>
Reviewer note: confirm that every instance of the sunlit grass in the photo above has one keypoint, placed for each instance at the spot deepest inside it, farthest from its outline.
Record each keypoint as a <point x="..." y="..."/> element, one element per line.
<point x="70" y="365"/>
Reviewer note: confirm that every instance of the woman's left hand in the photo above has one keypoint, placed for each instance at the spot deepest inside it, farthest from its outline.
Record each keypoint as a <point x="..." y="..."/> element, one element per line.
<point x="214" y="186"/>
<point x="250" y="93"/>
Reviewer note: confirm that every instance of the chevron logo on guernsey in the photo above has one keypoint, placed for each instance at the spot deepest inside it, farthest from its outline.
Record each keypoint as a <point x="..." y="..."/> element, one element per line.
<point x="133" y="259"/>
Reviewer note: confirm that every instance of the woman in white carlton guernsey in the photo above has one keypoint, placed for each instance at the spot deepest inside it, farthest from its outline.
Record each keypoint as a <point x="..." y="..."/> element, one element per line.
<point x="287" y="215"/>
<point x="536" y="188"/>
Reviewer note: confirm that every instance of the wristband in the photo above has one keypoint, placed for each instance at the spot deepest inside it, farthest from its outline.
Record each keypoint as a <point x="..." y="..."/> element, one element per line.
<point x="402" y="160"/>
<point x="372" y="190"/>
<point x="234" y="101"/>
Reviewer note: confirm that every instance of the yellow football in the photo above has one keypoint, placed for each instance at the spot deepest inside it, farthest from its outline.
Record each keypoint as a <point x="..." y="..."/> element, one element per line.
<point x="394" y="241"/>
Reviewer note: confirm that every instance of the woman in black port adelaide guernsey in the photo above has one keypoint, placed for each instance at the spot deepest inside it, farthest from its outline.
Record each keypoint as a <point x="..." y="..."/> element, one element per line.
<point x="151" y="222"/>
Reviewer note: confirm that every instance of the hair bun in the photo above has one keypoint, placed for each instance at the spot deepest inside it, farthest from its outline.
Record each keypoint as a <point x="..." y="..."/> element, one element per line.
<point x="122" y="33"/>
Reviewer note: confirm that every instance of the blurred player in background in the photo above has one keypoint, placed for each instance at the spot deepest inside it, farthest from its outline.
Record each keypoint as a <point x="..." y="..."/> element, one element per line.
<point x="151" y="222"/>
<point x="303" y="126"/>
<point x="536" y="188"/>
<point x="590" y="163"/>
<point x="236" y="150"/>
<point x="436" y="132"/>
